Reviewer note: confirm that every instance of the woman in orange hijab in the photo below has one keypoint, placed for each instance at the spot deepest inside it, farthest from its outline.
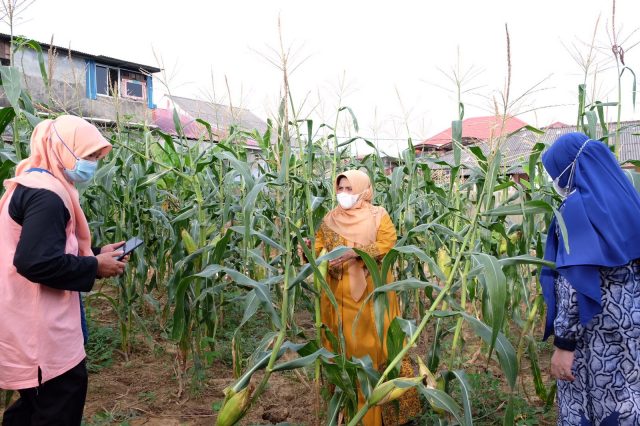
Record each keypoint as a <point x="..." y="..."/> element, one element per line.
<point x="355" y="222"/>
<point x="46" y="260"/>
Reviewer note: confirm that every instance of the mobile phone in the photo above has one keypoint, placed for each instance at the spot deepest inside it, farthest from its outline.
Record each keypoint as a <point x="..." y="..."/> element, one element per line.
<point x="130" y="246"/>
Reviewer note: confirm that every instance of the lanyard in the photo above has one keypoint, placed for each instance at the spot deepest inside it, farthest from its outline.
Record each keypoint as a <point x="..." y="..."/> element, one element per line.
<point x="37" y="169"/>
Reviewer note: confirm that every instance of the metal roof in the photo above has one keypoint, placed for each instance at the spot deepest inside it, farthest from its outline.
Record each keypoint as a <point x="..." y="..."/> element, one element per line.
<point x="221" y="116"/>
<point x="102" y="59"/>
<point x="517" y="147"/>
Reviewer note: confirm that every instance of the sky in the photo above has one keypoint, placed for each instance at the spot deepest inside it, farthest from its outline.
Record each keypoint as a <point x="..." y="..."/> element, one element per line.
<point x="392" y="63"/>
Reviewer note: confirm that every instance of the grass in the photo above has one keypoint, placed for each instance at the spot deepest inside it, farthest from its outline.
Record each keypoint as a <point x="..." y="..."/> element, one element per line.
<point x="489" y="401"/>
<point x="103" y="342"/>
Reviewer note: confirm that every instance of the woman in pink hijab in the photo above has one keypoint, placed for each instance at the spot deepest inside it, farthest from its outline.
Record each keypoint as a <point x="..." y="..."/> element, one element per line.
<point x="46" y="260"/>
<point x="357" y="223"/>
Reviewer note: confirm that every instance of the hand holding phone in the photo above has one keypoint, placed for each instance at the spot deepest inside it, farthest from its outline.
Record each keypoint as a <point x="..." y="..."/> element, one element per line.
<point x="129" y="247"/>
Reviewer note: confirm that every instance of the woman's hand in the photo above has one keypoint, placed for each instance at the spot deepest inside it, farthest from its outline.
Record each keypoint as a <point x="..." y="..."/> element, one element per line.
<point x="111" y="247"/>
<point x="561" y="363"/>
<point x="348" y="255"/>
<point x="108" y="263"/>
<point x="301" y="255"/>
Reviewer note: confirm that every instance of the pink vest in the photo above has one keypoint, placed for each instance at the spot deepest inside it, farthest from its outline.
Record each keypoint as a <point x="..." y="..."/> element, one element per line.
<point x="39" y="325"/>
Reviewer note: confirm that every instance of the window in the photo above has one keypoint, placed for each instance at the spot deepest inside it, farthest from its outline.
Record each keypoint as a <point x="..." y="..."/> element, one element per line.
<point x="105" y="80"/>
<point x="111" y="81"/>
<point x="133" y="89"/>
<point x="5" y="52"/>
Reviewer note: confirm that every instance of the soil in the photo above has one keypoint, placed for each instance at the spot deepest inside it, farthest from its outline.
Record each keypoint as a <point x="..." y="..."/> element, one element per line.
<point x="144" y="389"/>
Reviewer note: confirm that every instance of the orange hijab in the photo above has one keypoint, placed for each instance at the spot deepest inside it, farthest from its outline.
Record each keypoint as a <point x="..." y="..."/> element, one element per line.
<point x="358" y="225"/>
<point x="49" y="153"/>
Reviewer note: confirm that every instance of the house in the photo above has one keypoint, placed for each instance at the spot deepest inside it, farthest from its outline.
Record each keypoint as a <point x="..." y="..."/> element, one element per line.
<point x="388" y="162"/>
<point x="219" y="117"/>
<point x="97" y="87"/>
<point x="518" y="146"/>
<point x="629" y="137"/>
<point x="104" y="89"/>
<point x="474" y="130"/>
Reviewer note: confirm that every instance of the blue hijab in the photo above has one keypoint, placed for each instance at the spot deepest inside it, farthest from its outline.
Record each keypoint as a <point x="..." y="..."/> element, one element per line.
<point x="602" y="216"/>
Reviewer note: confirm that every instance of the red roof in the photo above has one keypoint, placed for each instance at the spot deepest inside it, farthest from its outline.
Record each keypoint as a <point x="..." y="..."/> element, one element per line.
<point x="163" y="118"/>
<point x="556" y="125"/>
<point x="482" y="128"/>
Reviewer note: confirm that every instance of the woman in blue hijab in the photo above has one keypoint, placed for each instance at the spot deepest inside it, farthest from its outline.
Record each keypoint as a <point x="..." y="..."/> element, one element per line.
<point x="593" y="295"/>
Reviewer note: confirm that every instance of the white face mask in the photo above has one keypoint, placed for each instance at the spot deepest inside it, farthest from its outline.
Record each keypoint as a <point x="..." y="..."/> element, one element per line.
<point x="562" y="192"/>
<point x="347" y="201"/>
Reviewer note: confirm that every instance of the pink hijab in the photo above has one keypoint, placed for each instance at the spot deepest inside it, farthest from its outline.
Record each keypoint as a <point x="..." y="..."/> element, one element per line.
<point x="358" y="225"/>
<point x="49" y="153"/>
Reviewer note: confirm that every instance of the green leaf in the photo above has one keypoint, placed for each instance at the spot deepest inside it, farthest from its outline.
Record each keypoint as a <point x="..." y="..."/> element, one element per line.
<point x="442" y="400"/>
<point x="304" y="361"/>
<point x="405" y="285"/>
<point x="506" y="353"/>
<point x="592" y="123"/>
<point x="456" y="140"/>
<point x="538" y="383"/>
<point x="395" y="340"/>
<point x="6" y="116"/>
<point x="372" y="266"/>
<point x="153" y="179"/>
<point x="262" y="291"/>
<point x="491" y="177"/>
<point x="22" y="43"/>
<point x="353" y="117"/>
<point x="509" y="414"/>
<point x="420" y="254"/>
<point x="179" y="321"/>
<point x="528" y="207"/>
<point x="11" y="83"/>
<point x="261" y="360"/>
<point x="525" y="259"/>
<point x="563" y="229"/>
<point x="335" y="407"/>
<point x="241" y="167"/>
<point x="465" y="394"/>
<point x="633" y="87"/>
<point x="496" y="284"/>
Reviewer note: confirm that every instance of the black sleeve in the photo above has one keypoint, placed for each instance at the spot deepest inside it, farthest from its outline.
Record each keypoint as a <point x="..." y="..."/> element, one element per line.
<point x="40" y="255"/>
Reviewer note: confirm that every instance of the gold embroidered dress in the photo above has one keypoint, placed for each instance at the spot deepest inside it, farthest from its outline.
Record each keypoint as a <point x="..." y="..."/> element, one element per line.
<point x="364" y="339"/>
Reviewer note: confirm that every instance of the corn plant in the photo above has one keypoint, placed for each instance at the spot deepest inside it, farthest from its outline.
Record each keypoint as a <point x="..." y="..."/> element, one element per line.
<point x="220" y="233"/>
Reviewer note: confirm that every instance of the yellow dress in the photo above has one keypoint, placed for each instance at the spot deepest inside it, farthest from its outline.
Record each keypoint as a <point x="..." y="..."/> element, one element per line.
<point x="364" y="339"/>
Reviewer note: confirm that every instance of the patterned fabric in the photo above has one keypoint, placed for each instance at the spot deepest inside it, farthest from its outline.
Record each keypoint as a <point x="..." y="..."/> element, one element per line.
<point x="408" y="406"/>
<point x="332" y="239"/>
<point x="607" y="355"/>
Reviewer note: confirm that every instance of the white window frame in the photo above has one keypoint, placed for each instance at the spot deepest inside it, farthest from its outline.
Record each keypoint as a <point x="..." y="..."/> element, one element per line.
<point x="108" y="95"/>
<point x="123" y="93"/>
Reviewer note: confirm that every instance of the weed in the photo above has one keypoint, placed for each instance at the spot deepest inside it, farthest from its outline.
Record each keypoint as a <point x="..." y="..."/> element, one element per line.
<point x="103" y="340"/>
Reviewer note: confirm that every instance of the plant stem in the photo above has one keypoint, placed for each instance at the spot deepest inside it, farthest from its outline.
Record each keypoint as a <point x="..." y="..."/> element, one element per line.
<point x="436" y="303"/>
